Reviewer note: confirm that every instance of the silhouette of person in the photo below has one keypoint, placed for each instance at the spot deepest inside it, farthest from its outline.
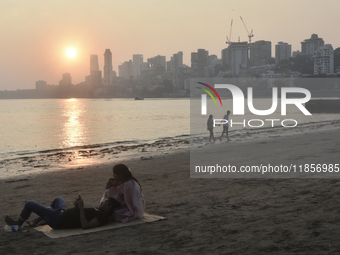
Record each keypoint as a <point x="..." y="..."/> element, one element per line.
<point x="210" y="127"/>
<point x="225" y="126"/>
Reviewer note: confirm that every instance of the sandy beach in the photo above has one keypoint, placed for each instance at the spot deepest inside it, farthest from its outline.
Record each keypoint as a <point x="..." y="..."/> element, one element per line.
<point x="204" y="216"/>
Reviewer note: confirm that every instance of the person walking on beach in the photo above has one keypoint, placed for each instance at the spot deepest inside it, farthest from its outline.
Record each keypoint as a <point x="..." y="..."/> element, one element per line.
<point x="225" y="126"/>
<point x="57" y="216"/>
<point x="210" y="127"/>
<point x="125" y="188"/>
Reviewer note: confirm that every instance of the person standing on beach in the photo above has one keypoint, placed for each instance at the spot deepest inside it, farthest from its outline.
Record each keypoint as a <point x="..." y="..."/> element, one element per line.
<point x="125" y="188"/>
<point x="210" y="127"/>
<point x="57" y="216"/>
<point x="225" y="126"/>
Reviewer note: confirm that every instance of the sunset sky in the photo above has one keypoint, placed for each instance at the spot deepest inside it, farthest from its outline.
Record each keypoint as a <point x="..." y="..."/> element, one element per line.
<point x="36" y="34"/>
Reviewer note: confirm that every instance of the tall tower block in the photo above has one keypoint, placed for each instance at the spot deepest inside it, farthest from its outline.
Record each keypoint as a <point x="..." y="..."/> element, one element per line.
<point x="108" y="67"/>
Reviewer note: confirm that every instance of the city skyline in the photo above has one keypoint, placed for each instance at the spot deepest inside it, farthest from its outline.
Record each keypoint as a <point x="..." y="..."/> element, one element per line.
<point x="37" y="34"/>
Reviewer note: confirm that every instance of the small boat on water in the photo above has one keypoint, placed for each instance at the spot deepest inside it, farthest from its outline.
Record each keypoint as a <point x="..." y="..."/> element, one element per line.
<point x="139" y="98"/>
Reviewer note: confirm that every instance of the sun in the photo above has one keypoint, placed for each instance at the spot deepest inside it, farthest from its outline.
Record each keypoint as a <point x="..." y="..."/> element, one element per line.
<point x="71" y="53"/>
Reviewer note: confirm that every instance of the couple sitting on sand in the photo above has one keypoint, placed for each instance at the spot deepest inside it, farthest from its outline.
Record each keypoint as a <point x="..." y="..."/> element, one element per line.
<point x="122" y="202"/>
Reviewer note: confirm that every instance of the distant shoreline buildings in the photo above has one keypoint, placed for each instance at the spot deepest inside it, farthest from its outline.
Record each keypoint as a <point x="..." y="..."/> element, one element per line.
<point x="158" y="77"/>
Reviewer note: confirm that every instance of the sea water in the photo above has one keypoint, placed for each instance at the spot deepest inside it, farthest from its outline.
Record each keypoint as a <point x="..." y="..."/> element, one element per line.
<point x="33" y="127"/>
<point x="30" y="126"/>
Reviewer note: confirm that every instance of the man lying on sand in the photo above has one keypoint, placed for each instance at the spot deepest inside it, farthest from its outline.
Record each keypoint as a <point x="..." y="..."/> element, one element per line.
<point x="57" y="216"/>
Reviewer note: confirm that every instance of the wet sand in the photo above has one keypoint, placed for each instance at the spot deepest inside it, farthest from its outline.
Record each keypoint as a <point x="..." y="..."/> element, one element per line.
<point x="204" y="216"/>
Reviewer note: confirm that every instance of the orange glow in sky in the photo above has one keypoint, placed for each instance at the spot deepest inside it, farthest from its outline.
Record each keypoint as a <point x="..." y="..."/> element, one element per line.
<point x="60" y="37"/>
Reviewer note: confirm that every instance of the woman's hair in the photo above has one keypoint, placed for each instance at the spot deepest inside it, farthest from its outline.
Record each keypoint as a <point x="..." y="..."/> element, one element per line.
<point x="125" y="172"/>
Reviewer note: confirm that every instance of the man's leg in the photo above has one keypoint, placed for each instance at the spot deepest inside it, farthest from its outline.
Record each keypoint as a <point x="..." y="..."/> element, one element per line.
<point x="211" y="135"/>
<point x="10" y="221"/>
<point x="30" y="206"/>
<point x="49" y="214"/>
<point x="58" y="204"/>
<point x="34" y="222"/>
<point x="222" y="133"/>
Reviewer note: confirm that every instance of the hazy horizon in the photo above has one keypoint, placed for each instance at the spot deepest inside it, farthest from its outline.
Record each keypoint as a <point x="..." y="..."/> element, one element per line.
<point x="37" y="33"/>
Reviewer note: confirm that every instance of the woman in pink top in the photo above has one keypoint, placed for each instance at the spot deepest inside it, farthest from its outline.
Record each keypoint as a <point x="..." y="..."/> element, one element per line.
<point x="127" y="191"/>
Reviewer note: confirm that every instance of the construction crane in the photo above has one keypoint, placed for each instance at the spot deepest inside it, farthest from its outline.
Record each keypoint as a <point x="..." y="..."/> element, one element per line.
<point x="250" y="35"/>
<point x="229" y="39"/>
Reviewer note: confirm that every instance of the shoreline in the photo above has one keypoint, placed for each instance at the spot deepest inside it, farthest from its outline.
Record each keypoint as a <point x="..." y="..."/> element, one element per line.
<point x="61" y="159"/>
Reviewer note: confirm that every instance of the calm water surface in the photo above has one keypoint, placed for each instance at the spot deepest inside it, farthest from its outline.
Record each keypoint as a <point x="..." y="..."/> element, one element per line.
<point x="32" y="125"/>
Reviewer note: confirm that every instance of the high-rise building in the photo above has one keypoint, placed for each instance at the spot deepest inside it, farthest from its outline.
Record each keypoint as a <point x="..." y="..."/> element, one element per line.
<point x="260" y="53"/>
<point x="324" y="60"/>
<point x="199" y="61"/>
<point x="157" y="62"/>
<point x="178" y="59"/>
<point x="309" y="46"/>
<point x="155" y="65"/>
<point x="66" y="80"/>
<point x="169" y="64"/>
<point x="282" y="51"/>
<point x="94" y="66"/>
<point x="238" y="57"/>
<point x="296" y="53"/>
<point x="177" y="69"/>
<point x="108" y="71"/>
<point x="225" y="55"/>
<point x="40" y="85"/>
<point x="125" y="70"/>
<point x="95" y="79"/>
<point x="212" y="60"/>
<point x="137" y="65"/>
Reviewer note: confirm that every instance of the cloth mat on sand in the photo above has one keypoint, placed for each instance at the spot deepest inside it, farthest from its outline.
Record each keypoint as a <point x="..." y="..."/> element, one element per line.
<point x="58" y="233"/>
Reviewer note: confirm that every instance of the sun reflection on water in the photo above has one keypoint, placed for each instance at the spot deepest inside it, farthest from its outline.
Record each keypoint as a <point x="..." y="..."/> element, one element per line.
<point x="73" y="128"/>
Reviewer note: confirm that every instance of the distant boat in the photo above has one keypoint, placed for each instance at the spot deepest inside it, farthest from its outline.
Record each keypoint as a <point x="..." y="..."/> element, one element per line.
<point x="139" y="98"/>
